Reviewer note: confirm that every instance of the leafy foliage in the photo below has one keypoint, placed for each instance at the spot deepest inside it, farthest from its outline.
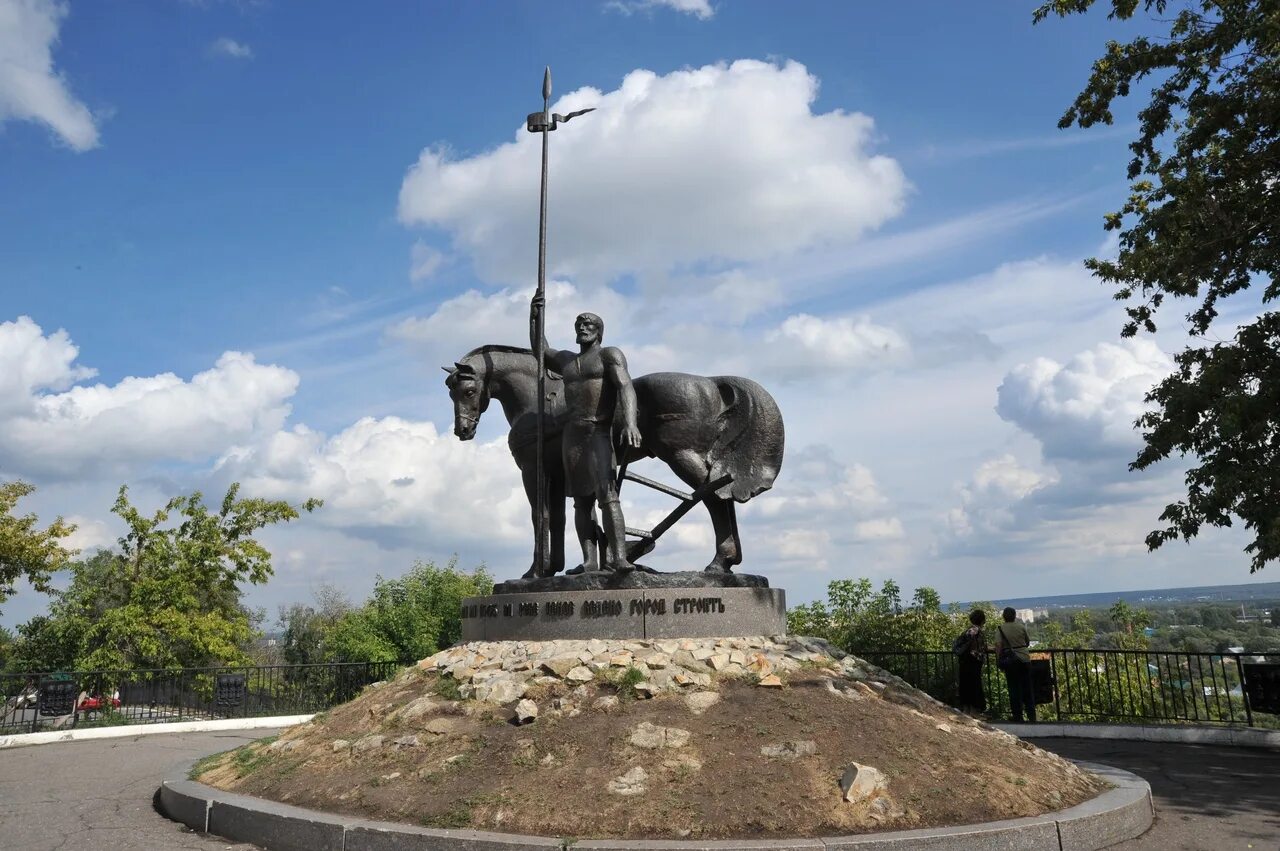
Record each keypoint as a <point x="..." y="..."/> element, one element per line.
<point x="26" y="550"/>
<point x="857" y="617"/>
<point x="411" y="617"/>
<point x="307" y="629"/>
<point x="170" y="598"/>
<point x="1202" y="223"/>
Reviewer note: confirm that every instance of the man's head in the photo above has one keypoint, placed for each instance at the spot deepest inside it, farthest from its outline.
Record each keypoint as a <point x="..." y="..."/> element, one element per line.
<point x="1009" y="614"/>
<point x="977" y="617"/>
<point x="589" y="328"/>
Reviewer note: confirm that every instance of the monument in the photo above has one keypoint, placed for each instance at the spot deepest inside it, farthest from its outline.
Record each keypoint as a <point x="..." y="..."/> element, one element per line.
<point x="578" y="420"/>
<point x="689" y="717"/>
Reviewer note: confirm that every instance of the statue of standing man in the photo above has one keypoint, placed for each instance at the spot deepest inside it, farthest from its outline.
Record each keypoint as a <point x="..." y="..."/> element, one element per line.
<point x="596" y="383"/>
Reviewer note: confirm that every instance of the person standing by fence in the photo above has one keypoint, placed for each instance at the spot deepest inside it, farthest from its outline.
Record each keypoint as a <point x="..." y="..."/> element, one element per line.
<point x="970" y="649"/>
<point x="1013" y="656"/>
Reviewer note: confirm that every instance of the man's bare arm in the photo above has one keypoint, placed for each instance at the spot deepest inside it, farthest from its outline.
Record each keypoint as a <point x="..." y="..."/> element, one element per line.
<point x="615" y="371"/>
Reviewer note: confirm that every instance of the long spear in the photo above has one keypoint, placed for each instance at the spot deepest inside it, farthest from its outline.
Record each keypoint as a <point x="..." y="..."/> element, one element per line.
<point x="543" y="122"/>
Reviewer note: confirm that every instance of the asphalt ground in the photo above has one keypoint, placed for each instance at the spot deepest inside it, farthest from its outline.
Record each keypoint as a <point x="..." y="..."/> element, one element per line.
<point x="1207" y="797"/>
<point x="99" y="793"/>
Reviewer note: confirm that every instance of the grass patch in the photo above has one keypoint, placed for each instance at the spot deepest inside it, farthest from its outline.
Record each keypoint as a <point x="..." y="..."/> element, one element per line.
<point x="447" y="687"/>
<point x="459" y="815"/>
<point x="250" y="759"/>
<point x="625" y="682"/>
<point x="205" y="763"/>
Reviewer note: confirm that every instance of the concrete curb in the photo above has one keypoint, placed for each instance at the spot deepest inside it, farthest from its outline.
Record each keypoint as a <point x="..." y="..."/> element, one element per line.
<point x="1121" y="813"/>
<point x="20" y="740"/>
<point x="1239" y="737"/>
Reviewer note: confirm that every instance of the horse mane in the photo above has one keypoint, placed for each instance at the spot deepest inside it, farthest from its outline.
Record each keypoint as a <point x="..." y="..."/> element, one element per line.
<point x="498" y="348"/>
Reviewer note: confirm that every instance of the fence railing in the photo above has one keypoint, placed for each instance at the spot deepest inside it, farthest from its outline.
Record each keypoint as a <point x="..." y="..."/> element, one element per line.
<point x="31" y="702"/>
<point x="1125" y="686"/>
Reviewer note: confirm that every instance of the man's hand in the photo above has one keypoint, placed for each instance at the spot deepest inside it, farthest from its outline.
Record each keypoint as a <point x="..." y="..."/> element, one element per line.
<point x="536" y="303"/>
<point x="630" y="436"/>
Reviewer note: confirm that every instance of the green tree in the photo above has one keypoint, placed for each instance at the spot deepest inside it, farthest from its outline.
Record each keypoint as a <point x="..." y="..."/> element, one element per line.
<point x="308" y="630"/>
<point x="858" y="618"/>
<point x="411" y="617"/>
<point x="170" y="598"/>
<point x="26" y="550"/>
<point x="1202" y="223"/>
<point x="1129" y="624"/>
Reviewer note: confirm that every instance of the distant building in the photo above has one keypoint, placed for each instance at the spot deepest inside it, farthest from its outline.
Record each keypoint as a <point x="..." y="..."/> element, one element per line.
<point x="1027" y="615"/>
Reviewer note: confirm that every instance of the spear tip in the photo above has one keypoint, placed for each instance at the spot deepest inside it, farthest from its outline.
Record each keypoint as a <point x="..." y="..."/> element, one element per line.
<point x="546" y="84"/>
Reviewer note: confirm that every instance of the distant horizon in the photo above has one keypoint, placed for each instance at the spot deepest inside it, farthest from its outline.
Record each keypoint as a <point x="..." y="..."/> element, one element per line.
<point x="1270" y="590"/>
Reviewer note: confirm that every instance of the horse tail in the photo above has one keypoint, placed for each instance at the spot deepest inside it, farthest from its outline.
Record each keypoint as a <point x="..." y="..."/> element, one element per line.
<point x="750" y="439"/>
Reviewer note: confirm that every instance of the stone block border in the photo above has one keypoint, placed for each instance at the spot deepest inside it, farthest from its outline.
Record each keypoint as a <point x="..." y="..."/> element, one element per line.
<point x="1236" y="737"/>
<point x="1121" y="813"/>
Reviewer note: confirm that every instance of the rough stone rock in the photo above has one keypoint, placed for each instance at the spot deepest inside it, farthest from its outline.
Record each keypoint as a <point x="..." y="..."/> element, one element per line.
<point x="620" y="660"/>
<point x="341" y="745"/>
<point x="284" y="745"/>
<point x="683" y="763"/>
<point x="526" y="711"/>
<point x="631" y="783"/>
<point x="700" y="702"/>
<point x="605" y="703"/>
<point x="595" y="647"/>
<point x="770" y="681"/>
<point x="653" y="737"/>
<point x="646" y="689"/>
<point x="790" y="750"/>
<point x="364" y="744"/>
<point x="580" y="674"/>
<point x="416" y="710"/>
<point x="656" y="660"/>
<point x="387" y="778"/>
<point x="719" y="661"/>
<point x="501" y="691"/>
<point x="946" y="728"/>
<point x="862" y="782"/>
<point x="549" y="761"/>
<point x="405" y="742"/>
<point x="737" y="657"/>
<point x="560" y="666"/>
<point x="702" y="654"/>
<point x="442" y="726"/>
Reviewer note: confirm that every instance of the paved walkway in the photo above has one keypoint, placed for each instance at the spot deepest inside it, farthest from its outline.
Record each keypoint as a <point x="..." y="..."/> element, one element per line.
<point x="98" y="794"/>
<point x="1207" y="797"/>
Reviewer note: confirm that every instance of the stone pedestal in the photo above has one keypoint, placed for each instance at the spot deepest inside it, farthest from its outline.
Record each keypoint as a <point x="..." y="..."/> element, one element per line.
<point x="625" y="613"/>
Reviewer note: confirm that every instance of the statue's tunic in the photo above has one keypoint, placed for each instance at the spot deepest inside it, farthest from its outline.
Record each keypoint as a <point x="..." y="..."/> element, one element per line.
<point x="589" y="461"/>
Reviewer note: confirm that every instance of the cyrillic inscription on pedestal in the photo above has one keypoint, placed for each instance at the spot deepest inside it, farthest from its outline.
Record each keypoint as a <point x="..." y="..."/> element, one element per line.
<point x="635" y="613"/>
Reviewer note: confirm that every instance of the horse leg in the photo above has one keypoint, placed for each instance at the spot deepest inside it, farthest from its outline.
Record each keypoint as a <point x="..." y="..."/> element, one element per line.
<point x="529" y="477"/>
<point x="691" y="467"/>
<point x="555" y="505"/>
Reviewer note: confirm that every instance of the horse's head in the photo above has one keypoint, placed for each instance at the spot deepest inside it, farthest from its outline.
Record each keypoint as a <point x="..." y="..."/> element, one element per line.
<point x="470" y="398"/>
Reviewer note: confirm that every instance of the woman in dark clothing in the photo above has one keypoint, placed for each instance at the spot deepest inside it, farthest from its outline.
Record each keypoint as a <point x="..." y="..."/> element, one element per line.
<point x="971" y="649"/>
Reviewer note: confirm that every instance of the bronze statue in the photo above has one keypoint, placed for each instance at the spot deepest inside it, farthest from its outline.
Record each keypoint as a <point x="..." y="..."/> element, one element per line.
<point x="722" y="436"/>
<point x="596" y="383"/>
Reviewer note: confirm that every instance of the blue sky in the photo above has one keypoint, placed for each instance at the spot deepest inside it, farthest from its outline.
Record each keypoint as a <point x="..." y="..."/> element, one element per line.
<point x="245" y="235"/>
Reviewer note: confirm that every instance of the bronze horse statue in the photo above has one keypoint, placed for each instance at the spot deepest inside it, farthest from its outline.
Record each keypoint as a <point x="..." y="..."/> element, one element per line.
<point x="720" y="430"/>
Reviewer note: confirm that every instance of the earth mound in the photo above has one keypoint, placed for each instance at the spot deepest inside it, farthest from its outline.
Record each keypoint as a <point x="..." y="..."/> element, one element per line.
<point x="701" y="739"/>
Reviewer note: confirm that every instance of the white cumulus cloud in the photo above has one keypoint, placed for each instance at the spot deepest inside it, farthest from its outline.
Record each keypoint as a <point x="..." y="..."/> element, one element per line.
<point x="392" y="478"/>
<point x="1086" y="407"/>
<point x="78" y="428"/>
<point x="30" y="88"/>
<point x="722" y="163"/>
<point x="701" y="9"/>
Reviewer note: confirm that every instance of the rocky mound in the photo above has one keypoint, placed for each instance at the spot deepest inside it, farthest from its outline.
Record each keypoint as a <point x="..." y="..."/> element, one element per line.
<point x="700" y="738"/>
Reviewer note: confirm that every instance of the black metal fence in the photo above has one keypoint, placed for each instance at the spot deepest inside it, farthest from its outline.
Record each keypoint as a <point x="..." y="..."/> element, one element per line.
<point x="36" y="701"/>
<point x="1125" y="686"/>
